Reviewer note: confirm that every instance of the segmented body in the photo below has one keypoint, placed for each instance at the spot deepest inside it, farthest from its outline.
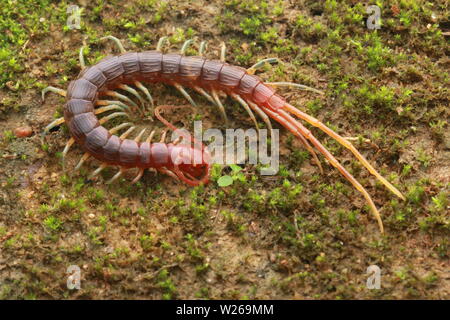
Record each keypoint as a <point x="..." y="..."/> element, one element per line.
<point x="150" y="67"/>
<point x="204" y="76"/>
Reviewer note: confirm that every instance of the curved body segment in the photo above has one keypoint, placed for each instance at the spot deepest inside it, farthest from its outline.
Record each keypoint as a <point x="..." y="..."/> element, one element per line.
<point x="148" y="66"/>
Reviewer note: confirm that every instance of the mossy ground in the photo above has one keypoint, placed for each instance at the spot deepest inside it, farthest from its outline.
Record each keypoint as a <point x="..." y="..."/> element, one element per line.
<point x="298" y="234"/>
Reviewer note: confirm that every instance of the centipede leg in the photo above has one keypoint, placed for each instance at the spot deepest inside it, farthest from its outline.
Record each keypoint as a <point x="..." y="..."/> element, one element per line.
<point x="134" y="93"/>
<point x="347" y="144"/>
<point x="294" y="85"/>
<point x="146" y="92"/>
<point x="69" y="143"/>
<point x="247" y="108"/>
<point x="261" y="113"/>
<point x="108" y="108"/>
<point x="189" y="176"/>
<point x="61" y="92"/>
<point x="219" y="104"/>
<point x="116" y="41"/>
<point x="266" y="119"/>
<point x="120" y="127"/>
<point x="181" y="89"/>
<point x="299" y="130"/>
<point x="84" y="157"/>
<point x="121" y="97"/>
<point x="150" y="137"/>
<point x="112" y="116"/>
<point x="138" y="176"/>
<point x="116" y="176"/>
<point x="205" y="94"/>
<point x="161" y="42"/>
<point x="97" y="171"/>
<point x="261" y="63"/>
<point x="305" y="142"/>
<point x="111" y="102"/>
<point x="186" y="44"/>
<point x="223" y="50"/>
<point x="163" y="136"/>
<point x="54" y="124"/>
<point x="81" y="58"/>
<point x="202" y="48"/>
<point x="168" y="172"/>
<point x="139" y="136"/>
<point x="127" y="133"/>
<point x="177" y="141"/>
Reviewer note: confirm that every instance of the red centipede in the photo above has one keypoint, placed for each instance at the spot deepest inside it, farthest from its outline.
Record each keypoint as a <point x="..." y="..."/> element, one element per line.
<point x="85" y="99"/>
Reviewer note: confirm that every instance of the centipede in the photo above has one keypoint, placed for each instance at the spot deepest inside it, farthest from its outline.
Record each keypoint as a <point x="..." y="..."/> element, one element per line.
<point x="89" y="96"/>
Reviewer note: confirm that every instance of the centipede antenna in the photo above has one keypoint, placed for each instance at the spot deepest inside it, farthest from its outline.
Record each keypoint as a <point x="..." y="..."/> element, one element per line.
<point x="150" y="137"/>
<point x="115" y="177"/>
<point x="223" y="49"/>
<point x="109" y="102"/>
<point x="219" y="104"/>
<point x="261" y="63"/>
<point x="146" y="92"/>
<point x="202" y="48"/>
<point x="108" y="108"/>
<point x="81" y="57"/>
<point x="112" y="116"/>
<point x="186" y="44"/>
<point x="139" y="136"/>
<point x="97" y="171"/>
<point x="139" y="176"/>
<point x="119" y="127"/>
<point x="61" y="92"/>
<point x="69" y="143"/>
<point x="127" y="133"/>
<point x="205" y="94"/>
<point x="294" y="85"/>
<point x="53" y="124"/>
<point x="185" y="94"/>
<point x="116" y="41"/>
<point x="161" y="42"/>
<point x="134" y="93"/>
<point x="82" y="160"/>
<point x="247" y="108"/>
<point x="121" y="97"/>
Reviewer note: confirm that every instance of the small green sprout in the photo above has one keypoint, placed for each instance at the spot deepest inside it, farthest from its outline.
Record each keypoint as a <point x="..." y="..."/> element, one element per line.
<point x="236" y="174"/>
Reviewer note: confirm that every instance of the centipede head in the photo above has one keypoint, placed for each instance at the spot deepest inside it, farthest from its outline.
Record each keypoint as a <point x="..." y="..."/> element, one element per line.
<point x="191" y="165"/>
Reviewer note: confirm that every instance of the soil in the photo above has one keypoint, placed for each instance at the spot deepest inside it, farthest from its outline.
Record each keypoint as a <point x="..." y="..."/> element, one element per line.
<point x="296" y="235"/>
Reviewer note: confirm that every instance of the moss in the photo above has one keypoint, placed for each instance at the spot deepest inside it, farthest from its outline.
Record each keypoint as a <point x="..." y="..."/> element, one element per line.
<point x="387" y="86"/>
<point x="166" y="284"/>
<point x="52" y="223"/>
